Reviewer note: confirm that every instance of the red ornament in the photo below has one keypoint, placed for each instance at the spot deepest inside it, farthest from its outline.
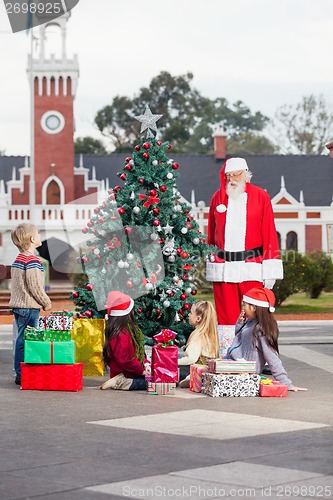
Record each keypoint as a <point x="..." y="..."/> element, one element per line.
<point x="90" y="223"/>
<point x="121" y="210"/>
<point x="156" y="211"/>
<point x="96" y="210"/>
<point x="128" y="158"/>
<point x="98" y="256"/>
<point x="117" y="188"/>
<point x="146" y="155"/>
<point x="185" y="277"/>
<point x="175" y="166"/>
<point x="187" y="306"/>
<point x="128" y="230"/>
<point x="169" y="146"/>
<point x="184" y="255"/>
<point x="88" y="313"/>
<point x="85" y="258"/>
<point x="146" y="145"/>
<point x="112" y="195"/>
<point x="101" y="219"/>
<point x="171" y="294"/>
<point x="113" y="217"/>
<point x="107" y="262"/>
<point x="123" y="177"/>
<point x="183" y="296"/>
<point x="163" y="188"/>
<point x="93" y="230"/>
<point x="194" y="292"/>
<point x="158" y="311"/>
<point x="158" y="143"/>
<point x="139" y="310"/>
<point x="75" y="295"/>
<point x="137" y="148"/>
<point x="156" y="222"/>
<point x="153" y="192"/>
<point x="189" y="225"/>
<point x="142" y="181"/>
<point x="179" y="251"/>
<point x="161" y="241"/>
<point x="128" y="167"/>
<point x="90" y="287"/>
<point x="129" y="284"/>
<point x="84" y="230"/>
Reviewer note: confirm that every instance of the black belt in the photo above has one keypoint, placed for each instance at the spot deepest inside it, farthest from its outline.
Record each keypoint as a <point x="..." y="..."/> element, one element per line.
<point x="237" y="256"/>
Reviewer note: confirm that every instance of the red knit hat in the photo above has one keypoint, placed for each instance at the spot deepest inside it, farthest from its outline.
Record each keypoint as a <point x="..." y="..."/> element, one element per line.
<point x="119" y="304"/>
<point x="263" y="297"/>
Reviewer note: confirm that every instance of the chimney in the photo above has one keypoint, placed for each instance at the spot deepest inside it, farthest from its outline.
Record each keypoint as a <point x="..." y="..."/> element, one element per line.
<point x="330" y="148"/>
<point x="220" y="144"/>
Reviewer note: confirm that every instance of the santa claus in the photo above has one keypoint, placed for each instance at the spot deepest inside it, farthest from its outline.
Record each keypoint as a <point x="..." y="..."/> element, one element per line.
<point x="241" y="225"/>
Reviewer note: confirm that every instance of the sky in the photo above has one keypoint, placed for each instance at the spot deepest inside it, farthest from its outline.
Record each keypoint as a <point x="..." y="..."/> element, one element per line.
<point x="266" y="53"/>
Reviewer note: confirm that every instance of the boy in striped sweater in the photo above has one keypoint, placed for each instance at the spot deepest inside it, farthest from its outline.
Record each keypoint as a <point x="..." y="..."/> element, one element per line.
<point x="27" y="287"/>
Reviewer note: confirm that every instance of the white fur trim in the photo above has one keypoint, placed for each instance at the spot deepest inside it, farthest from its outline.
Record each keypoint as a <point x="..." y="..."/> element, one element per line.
<point x="272" y="269"/>
<point x="234" y="164"/>
<point x="234" y="272"/>
<point x="235" y="228"/>
<point x="221" y="208"/>
<point x="118" y="312"/>
<point x="255" y="302"/>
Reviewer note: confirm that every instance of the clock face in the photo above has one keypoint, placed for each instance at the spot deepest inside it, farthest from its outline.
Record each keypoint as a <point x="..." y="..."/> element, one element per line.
<point x="52" y="122"/>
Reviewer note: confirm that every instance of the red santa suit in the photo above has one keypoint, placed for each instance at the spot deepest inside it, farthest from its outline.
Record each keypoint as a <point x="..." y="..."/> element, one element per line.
<point x="248" y="252"/>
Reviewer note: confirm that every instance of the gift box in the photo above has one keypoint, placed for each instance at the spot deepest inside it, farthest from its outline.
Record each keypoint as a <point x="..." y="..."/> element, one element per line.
<point x="272" y="389"/>
<point x="161" y="388"/>
<point x="56" y="321"/>
<point x="57" y="335"/>
<point x="31" y="333"/>
<point x="227" y="385"/>
<point x="226" y="334"/>
<point x="196" y="372"/>
<point x="51" y="377"/>
<point x="231" y="366"/>
<point x="61" y="353"/>
<point x="89" y="338"/>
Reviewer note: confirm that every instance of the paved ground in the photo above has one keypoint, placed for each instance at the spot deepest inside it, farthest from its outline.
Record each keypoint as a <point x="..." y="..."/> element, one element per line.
<point x="105" y="444"/>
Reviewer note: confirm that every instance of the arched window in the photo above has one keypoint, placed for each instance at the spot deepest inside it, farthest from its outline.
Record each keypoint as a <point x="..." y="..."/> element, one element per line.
<point x="292" y="242"/>
<point x="53" y="193"/>
<point x="279" y="239"/>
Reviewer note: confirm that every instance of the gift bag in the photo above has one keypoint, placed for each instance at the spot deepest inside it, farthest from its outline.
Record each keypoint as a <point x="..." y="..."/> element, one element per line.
<point x="89" y="338"/>
<point x="226" y="335"/>
<point x="164" y="359"/>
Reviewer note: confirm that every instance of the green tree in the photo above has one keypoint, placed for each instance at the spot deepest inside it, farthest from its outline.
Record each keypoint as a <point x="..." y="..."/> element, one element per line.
<point x="250" y="144"/>
<point x="320" y="274"/>
<point x="304" y="128"/>
<point x="189" y="119"/>
<point x="89" y="145"/>
<point x="294" y="274"/>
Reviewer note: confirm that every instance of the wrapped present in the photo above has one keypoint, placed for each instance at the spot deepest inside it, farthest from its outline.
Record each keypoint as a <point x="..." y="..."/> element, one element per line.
<point x="57" y="335"/>
<point x="55" y="322"/>
<point x="272" y="389"/>
<point x="31" y="333"/>
<point x="64" y="312"/>
<point x="164" y="358"/>
<point x="196" y="372"/>
<point x="61" y="353"/>
<point x="226" y="335"/>
<point x="89" y="338"/>
<point x="227" y="385"/>
<point x="161" y="388"/>
<point x="51" y="377"/>
<point x="231" y="366"/>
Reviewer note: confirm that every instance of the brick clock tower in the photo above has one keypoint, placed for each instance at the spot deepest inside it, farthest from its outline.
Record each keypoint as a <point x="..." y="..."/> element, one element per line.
<point x="54" y="82"/>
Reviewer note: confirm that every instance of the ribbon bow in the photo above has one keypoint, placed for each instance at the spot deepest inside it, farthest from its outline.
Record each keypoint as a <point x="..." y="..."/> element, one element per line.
<point x="150" y="200"/>
<point x="165" y="337"/>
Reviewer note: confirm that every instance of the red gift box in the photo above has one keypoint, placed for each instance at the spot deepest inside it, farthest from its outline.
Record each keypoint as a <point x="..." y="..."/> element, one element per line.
<point x="274" y="390"/>
<point x="164" y="363"/>
<point x="52" y="377"/>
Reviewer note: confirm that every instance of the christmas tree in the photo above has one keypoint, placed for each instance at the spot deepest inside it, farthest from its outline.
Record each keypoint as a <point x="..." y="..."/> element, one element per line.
<point x="144" y="242"/>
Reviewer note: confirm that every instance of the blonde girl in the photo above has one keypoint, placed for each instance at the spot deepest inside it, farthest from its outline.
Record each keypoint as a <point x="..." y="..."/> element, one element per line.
<point x="203" y="342"/>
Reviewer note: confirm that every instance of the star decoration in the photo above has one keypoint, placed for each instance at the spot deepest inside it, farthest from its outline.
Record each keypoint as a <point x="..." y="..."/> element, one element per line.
<point x="163" y="295"/>
<point x="168" y="229"/>
<point x="148" y="120"/>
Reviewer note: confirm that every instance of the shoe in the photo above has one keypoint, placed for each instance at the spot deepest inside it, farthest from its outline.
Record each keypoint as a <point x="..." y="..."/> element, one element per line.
<point x="17" y="380"/>
<point x="184" y="384"/>
<point x="119" y="382"/>
<point x="266" y="371"/>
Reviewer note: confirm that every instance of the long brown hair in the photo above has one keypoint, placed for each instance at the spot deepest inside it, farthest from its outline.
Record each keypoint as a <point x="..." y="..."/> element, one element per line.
<point x="115" y="325"/>
<point x="268" y="326"/>
<point x="207" y="328"/>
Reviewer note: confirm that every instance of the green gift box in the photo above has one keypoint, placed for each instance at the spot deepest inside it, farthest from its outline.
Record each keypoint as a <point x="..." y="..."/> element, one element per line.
<point x="31" y="333"/>
<point x="60" y="353"/>
<point x="57" y="335"/>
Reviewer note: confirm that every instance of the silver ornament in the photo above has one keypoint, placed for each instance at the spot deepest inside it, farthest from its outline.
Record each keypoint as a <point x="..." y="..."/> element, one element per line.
<point x="166" y="303"/>
<point x="97" y="251"/>
<point x="177" y="208"/>
<point x="154" y="236"/>
<point x="136" y="210"/>
<point x="184" y="230"/>
<point x="129" y="256"/>
<point x="148" y="286"/>
<point x="169" y="175"/>
<point x="121" y="264"/>
<point x="196" y="241"/>
<point x="155" y="163"/>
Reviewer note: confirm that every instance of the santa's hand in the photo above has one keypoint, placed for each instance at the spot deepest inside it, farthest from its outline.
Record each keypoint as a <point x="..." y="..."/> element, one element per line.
<point x="269" y="284"/>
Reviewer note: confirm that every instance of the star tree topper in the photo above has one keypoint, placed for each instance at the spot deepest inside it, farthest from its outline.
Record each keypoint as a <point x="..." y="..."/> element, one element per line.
<point x="148" y="121"/>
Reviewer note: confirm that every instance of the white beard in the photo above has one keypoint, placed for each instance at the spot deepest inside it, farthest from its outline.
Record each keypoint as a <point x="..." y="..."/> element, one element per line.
<point x="235" y="189"/>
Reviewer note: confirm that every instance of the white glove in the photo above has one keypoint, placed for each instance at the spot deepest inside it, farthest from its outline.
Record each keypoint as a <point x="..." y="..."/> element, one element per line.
<point x="269" y="284"/>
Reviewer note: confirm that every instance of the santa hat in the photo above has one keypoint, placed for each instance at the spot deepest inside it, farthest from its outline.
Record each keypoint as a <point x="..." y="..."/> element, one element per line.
<point x="119" y="304"/>
<point x="263" y="297"/>
<point x="234" y="164"/>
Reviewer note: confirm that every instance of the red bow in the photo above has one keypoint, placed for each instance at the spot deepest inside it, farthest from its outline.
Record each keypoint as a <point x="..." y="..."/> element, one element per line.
<point x="150" y="201"/>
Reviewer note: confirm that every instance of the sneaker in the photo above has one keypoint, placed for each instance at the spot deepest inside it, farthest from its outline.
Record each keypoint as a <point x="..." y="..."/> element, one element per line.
<point x="184" y="384"/>
<point x="17" y="380"/>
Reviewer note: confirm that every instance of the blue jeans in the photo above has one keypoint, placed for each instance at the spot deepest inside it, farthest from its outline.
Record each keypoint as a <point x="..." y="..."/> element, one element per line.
<point x="23" y="318"/>
<point x="138" y="384"/>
